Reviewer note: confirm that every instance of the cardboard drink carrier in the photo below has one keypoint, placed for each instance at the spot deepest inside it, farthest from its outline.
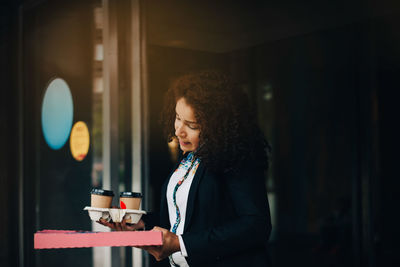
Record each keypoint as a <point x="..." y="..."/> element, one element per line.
<point x="100" y="207"/>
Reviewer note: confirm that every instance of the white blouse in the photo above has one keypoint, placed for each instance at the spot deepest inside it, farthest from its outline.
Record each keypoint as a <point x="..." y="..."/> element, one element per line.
<point x="182" y="194"/>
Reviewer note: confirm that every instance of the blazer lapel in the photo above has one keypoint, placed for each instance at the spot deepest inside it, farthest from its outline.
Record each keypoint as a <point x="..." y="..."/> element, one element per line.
<point x="192" y="194"/>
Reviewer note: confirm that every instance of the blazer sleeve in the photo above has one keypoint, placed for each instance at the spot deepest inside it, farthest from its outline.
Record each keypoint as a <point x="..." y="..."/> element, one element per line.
<point x="248" y="229"/>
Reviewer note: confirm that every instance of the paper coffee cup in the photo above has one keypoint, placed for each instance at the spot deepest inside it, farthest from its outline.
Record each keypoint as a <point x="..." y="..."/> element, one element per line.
<point x="130" y="200"/>
<point x="101" y="198"/>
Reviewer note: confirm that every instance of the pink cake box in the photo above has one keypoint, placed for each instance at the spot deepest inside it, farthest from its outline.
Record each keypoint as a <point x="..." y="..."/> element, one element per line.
<point x="48" y="239"/>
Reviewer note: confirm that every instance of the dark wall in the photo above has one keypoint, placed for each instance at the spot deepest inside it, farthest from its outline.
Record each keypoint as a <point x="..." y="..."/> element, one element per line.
<point x="8" y="135"/>
<point x="387" y="66"/>
<point x="335" y="93"/>
<point x="314" y="81"/>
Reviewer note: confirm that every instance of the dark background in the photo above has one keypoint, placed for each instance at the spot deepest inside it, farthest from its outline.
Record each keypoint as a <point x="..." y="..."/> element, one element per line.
<point x="322" y="76"/>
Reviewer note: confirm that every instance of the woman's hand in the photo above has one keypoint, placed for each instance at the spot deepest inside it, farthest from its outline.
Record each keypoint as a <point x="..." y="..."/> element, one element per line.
<point x="123" y="226"/>
<point x="169" y="246"/>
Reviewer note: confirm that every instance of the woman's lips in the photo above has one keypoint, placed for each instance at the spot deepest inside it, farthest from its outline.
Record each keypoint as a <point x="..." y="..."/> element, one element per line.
<point x="184" y="143"/>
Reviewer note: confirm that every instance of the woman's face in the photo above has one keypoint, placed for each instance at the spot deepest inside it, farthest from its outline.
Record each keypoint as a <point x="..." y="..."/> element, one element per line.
<point x="186" y="127"/>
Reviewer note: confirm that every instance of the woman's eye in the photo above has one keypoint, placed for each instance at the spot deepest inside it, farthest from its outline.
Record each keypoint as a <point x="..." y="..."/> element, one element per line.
<point x="193" y="127"/>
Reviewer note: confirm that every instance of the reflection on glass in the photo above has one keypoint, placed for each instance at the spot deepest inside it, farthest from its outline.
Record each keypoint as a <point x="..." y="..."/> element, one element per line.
<point x="57" y="113"/>
<point x="97" y="110"/>
<point x="265" y="112"/>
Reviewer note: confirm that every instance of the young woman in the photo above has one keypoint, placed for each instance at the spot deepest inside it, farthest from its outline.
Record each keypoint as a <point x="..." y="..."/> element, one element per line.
<point x="214" y="207"/>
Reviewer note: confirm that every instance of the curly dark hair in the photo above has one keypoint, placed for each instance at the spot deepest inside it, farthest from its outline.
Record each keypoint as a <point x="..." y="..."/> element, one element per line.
<point x="229" y="134"/>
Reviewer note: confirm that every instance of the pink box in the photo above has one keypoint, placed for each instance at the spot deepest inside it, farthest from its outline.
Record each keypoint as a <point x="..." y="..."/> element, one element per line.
<point x="80" y="239"/>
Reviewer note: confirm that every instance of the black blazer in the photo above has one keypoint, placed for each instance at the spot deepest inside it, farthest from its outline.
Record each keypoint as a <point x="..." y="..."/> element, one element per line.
<point x="227" y="218"/>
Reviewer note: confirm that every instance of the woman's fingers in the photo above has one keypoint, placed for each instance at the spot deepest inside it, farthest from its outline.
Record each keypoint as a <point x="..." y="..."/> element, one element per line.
<point x="118" y="226"/>
<point x="132" y="227"/>
<point x="122" y="226"/>
<point x="112" y="225"/>
<point x="127" y="227"/>
<point x="106" y="223"/>
<point x="140" y="225"/>
<point x="169" y="246"/>
<point x="155" y="251"/>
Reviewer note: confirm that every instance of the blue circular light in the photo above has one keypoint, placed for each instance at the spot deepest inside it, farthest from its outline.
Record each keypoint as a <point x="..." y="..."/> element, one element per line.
<point x="57" y="113"/>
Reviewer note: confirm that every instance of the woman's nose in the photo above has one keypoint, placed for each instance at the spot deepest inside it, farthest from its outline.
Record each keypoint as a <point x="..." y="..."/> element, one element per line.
<point x="179" y="131"/>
